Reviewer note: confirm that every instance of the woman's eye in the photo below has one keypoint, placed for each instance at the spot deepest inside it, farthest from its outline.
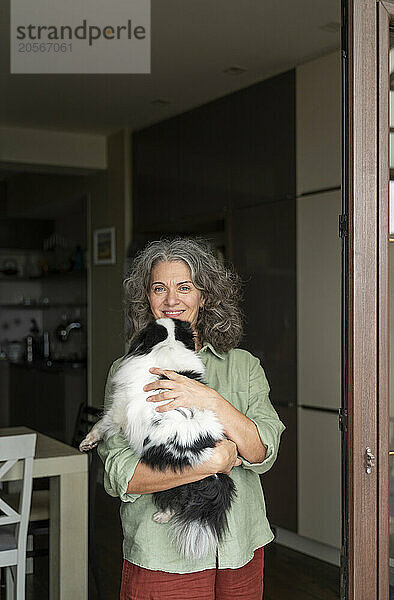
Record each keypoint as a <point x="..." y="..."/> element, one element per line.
<point x="184" y="288"/>
<point x="158" y="289"/>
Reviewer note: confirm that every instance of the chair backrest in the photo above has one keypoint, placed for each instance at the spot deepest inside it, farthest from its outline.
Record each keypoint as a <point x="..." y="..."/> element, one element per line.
<point x="16" y="448"/>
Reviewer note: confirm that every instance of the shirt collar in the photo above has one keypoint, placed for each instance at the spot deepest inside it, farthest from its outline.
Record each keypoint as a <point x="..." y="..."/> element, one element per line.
<point x="209" y="346"/>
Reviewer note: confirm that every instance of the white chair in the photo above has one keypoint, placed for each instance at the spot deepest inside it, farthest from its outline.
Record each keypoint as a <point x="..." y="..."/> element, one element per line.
<point x="38" y="521"/>
<point x="13" y="523"/>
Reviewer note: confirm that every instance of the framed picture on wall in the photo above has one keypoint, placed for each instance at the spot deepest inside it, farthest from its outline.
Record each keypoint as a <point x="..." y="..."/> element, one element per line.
<point x="104" y="246"/>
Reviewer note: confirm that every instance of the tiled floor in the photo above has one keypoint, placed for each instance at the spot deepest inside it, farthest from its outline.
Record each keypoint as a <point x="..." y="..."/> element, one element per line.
<point x="295" y="576"/>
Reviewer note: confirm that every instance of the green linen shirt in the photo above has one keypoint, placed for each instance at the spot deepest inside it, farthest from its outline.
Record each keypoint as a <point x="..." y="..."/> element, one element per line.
<point x="240" y="379"/>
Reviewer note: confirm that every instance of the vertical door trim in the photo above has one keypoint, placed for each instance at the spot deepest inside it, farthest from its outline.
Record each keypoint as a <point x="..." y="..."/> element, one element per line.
<point x="362" y="297"/>
<point x="385" y="15"/>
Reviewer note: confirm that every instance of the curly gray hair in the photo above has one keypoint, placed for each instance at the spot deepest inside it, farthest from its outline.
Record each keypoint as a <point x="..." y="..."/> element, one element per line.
<point x="219" y="322"/>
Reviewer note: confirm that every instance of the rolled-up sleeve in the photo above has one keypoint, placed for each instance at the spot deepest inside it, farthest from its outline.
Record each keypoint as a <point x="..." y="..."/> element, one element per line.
<point x="118" y="458"/>
<point x="264" y="416"/>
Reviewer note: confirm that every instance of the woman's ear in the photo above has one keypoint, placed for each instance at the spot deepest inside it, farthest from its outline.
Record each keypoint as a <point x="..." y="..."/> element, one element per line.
<point x="202" y="302"/>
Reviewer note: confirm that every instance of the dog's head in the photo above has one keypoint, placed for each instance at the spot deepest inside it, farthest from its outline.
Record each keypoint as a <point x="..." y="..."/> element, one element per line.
<point x="159" y="331"/>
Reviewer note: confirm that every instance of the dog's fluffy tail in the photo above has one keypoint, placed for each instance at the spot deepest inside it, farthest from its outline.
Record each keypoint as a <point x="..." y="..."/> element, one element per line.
<point x="193" y="539"/>
<point x="200" y="513"/>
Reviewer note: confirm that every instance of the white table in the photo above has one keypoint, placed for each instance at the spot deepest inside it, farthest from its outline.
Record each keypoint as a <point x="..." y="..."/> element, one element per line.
<point x="67" y="469"/>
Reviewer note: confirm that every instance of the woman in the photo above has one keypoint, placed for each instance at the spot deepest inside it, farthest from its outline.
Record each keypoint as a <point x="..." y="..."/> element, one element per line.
<point x="182" y="279"/>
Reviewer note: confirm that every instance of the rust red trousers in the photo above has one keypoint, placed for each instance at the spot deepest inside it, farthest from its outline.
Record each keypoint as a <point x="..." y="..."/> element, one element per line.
<point x="245" y="583"/>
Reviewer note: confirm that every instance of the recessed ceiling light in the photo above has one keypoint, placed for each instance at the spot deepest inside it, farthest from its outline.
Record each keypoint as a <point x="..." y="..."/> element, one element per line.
<point x="332" y="27"/>
<point x="161" y="101"/>
<point x="235" y="70"/>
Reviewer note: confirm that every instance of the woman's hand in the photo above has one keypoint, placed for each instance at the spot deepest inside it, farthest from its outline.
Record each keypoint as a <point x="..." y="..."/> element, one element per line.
<point x="182" y="391"/>
<point x="224" y="457"/>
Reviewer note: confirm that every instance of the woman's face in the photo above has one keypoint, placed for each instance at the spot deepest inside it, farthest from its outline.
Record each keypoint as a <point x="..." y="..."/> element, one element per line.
<point x="172" y="293"/>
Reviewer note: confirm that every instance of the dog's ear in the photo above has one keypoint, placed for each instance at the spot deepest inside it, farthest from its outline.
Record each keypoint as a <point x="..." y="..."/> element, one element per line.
<point x="143" y="343"/>
<point x="184" y="333"/>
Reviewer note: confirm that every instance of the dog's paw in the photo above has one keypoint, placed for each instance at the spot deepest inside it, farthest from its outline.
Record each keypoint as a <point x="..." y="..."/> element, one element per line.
<point x="88" y="444"/>
<point x="162" y="517"/>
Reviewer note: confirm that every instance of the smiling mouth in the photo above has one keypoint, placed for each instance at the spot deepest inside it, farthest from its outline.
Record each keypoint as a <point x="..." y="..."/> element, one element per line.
<point x="172" y="313"/>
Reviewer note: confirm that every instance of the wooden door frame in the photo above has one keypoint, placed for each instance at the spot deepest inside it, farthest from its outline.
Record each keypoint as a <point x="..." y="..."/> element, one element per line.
<point x="366" y="176"/>
<point x="385" y="17"/>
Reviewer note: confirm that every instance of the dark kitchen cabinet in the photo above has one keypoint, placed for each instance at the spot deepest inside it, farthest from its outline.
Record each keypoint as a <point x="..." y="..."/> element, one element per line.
<point x="226" y="171"/>
<point x="236" y="151"/>
<point x="46" y="399"/>
<point x="24" y="408"/>
<point x="20" y="234"/>
<point x="4" y="393"/>
<point x="264" y="253"/>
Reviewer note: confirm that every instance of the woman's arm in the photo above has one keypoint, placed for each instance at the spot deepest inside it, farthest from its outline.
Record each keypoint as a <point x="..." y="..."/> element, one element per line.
<point x="146" y="480"/>
<point x="183" y="391"/>
<point x="241" y="430"/>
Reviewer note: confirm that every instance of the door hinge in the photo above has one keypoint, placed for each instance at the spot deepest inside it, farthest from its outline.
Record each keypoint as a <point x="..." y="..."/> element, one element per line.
<point x="342" y="419"/>
<point x="343" y="226"/>
<point x="369" y="460"/>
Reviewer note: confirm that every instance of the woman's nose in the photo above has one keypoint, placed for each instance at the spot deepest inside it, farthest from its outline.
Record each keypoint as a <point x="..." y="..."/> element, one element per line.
<point x="172" y="298"/>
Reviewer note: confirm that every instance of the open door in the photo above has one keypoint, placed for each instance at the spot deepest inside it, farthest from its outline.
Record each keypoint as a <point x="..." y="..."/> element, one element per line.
<point x="366" y="293"/>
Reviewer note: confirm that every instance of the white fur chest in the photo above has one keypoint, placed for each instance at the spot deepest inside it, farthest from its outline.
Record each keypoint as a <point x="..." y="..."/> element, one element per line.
<point x="130" y="410"/>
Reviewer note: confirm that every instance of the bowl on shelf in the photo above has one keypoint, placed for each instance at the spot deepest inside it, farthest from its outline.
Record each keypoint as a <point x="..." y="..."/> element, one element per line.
<point x="15" y="350"/>
<point x="9" y="267"/>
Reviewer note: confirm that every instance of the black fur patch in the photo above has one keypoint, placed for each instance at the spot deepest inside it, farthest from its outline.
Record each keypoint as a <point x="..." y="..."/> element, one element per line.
<point x="147" y="339"/>
<point x="161" y="458"/>
<point x="202" y="442"/>
<point x="191" y="375"/>
<point x="184" y="334"/>
<point x="206" y="501"/>
<point x="173" y="454"/>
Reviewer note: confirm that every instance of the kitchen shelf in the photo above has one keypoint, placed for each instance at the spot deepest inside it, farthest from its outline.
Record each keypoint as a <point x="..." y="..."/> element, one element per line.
<point x="43" y="306"/>
<point x="49" y="277"/>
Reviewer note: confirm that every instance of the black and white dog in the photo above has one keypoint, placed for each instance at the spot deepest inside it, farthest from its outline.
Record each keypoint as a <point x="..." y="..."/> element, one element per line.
<point x="176" y="439"/>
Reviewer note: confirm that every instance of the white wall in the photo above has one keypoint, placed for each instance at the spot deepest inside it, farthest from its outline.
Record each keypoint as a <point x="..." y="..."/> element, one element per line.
<point x="53" y="148"/>
<point x="318" y="130"/>
<point x="318" y="155"/>
<point x="109" y="206"/>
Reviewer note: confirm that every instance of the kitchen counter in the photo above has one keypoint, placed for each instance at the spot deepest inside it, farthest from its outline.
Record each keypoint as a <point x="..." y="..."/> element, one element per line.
<point x="46" y="395"/>
<point x="51" y="364"/>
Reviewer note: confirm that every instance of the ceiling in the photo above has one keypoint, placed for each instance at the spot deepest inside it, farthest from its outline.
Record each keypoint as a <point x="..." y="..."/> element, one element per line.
<point x="193" y="43"/>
